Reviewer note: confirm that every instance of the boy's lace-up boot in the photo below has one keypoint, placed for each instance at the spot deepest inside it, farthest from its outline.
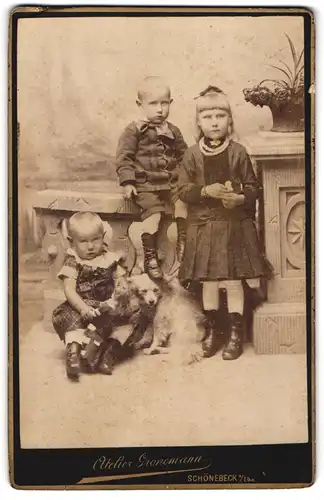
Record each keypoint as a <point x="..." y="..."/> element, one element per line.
<point x="181" y="238"/>
<point x="151" y="265"/>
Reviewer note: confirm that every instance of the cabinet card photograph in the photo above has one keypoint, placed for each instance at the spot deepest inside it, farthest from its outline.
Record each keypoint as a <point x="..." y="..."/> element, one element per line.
<point x="161" y="247"/>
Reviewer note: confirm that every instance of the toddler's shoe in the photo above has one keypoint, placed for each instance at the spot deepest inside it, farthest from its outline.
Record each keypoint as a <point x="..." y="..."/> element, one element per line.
<point x="92" y="352"/>
<point x="73" y="361"/>
<point x="107" y="364"/>
<point x="110" y="356"/>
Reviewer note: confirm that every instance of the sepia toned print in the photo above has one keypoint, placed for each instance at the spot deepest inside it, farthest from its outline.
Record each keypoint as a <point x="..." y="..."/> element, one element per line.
<point x="162" y="238"/>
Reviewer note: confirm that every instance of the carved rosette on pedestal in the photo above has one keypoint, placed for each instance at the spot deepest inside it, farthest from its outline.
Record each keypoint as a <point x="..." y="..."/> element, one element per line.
<point x="293" y="235"/>
<point x="279" y="325"/>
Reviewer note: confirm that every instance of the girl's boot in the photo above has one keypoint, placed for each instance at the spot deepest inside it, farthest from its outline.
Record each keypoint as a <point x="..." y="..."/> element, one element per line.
<point x="234" y="346"/>
<point x="151" y="266"/>
<point x="212" y="340"/>
<point x="181" y="238"/>
<point x="72" y="361"/>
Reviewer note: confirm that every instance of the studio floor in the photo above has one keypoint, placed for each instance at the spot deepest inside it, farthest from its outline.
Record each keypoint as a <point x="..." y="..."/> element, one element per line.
<point x="154" y="401"/>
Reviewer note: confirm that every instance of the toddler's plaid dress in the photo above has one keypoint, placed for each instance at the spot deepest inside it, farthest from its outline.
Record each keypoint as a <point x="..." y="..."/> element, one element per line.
<point x="95" y="283"/>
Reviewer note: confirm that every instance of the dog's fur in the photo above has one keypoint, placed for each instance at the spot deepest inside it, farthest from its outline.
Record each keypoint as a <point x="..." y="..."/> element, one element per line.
<point x="132" y="295"/>
<point x="178" y="323"/>
<point x="175" y="318"/>
<point x="134" y="302"/>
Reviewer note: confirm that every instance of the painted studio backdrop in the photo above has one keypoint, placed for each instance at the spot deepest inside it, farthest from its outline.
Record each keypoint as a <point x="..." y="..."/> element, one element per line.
<point x="77" y="89"/>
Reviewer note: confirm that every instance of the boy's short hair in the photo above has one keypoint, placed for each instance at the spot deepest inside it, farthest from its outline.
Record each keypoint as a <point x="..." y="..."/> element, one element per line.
<point x="79" y="218"/>
<point x="150" y="82"/>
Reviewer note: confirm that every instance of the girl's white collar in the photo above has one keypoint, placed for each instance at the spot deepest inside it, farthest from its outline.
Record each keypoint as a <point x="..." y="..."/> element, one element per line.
<point x="212" y="151"/>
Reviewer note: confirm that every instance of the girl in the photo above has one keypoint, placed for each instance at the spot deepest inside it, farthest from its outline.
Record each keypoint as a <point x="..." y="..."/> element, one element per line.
<point x="218" y="184"/>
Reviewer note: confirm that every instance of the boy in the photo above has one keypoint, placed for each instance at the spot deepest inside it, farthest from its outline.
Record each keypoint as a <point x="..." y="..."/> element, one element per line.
<point x="148" y="156"/>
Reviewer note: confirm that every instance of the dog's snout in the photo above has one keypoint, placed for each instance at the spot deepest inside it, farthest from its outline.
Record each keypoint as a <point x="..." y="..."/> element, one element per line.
<point x="151" y="298"/>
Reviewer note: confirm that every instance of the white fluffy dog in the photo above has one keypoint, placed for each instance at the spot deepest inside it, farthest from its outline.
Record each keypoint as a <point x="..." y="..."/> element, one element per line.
<point x="178" y="323"/>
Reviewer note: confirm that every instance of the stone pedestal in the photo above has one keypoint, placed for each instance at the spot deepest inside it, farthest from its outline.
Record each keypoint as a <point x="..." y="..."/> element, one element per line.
<point x="279" y="325"/>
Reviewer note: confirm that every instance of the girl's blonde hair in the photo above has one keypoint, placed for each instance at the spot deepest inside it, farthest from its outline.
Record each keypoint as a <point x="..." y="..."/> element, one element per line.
<point x="213" y="98"/>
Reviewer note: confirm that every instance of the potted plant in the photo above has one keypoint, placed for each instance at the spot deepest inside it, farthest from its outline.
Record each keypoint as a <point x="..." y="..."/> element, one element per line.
<point x="284" y="97"/>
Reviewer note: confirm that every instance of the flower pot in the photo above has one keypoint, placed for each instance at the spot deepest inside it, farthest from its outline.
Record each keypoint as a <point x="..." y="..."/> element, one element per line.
<point x="286" y="105"/>
<point x="288" y="117"/>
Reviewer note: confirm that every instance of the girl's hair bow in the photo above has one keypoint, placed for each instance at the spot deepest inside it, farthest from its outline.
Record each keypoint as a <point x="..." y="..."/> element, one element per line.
<point x="210" y="89"/>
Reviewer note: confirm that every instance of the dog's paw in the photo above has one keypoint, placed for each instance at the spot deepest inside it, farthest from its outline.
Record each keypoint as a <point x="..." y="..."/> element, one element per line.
<point x="149" y="351"/>
<point x="146" y="341"/>
<point x="155" y="350"/>
<point x="195" y="356"/>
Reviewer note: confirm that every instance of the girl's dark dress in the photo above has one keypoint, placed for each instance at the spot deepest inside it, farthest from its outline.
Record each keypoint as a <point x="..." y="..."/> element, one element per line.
<point x="221" y="243"/>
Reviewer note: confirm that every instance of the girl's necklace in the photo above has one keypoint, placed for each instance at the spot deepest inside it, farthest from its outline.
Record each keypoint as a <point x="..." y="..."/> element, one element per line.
<point x="216" y="150"/>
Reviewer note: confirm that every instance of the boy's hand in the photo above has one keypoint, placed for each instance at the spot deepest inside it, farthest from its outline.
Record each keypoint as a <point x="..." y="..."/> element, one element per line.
<point x="232" y="200"/>
<point x="129" y="190"/>
<point x="89" y="313"/>
<point x="216" y="190"/>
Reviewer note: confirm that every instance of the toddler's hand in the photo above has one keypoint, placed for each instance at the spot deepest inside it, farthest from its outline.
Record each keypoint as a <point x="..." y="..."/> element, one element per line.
<point x="232" y="200"/>
<point x="110" y="304"/>
<point x="229" y="187"/>
<point x="89" y="313"/>
<point x="216" y="190"/>
<point x="129" y="190"/>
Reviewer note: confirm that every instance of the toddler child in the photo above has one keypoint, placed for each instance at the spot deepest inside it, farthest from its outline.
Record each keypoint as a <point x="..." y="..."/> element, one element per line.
<point x="88" y="276"/>
<point x="148" y="156"/>
<point x="218" y="184"/>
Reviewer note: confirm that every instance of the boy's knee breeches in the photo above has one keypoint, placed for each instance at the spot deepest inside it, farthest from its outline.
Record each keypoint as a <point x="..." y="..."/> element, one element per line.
<point x="153" y="202"/>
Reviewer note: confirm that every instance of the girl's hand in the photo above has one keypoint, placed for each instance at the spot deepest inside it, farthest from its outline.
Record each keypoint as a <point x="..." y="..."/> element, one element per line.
<point x="89" y="313"/>
<point x="232" y="200"/>
<point x="216" y="190"/>
<point x="129" y="191"/>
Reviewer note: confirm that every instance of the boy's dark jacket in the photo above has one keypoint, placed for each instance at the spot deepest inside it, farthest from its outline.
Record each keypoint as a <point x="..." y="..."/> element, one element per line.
<point x="148" y="157"/>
